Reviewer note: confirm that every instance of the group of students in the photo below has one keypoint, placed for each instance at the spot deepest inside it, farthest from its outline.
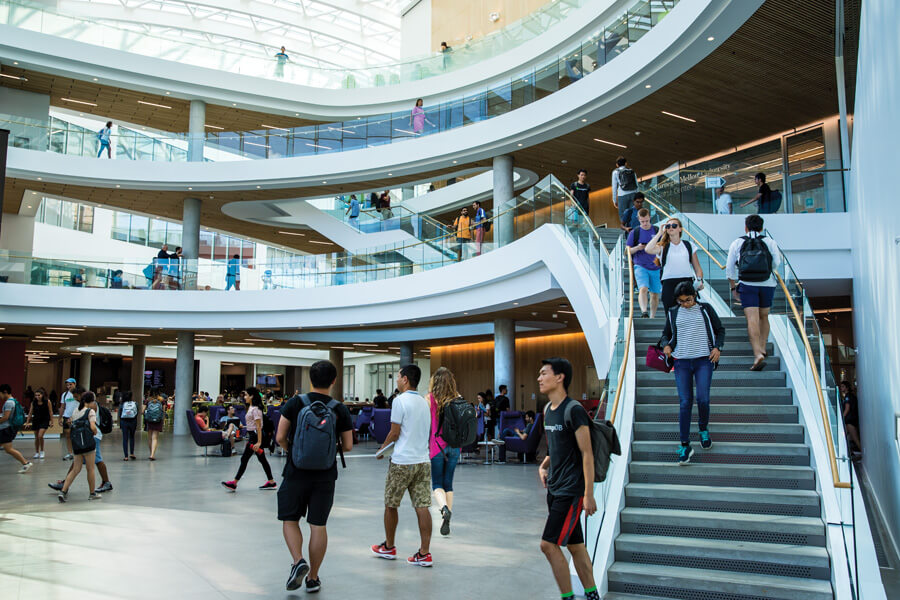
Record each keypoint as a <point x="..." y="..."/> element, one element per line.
<point x="470" y="227"/>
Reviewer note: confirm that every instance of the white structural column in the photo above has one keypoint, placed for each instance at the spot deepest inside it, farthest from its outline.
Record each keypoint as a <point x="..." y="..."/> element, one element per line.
<point x="504" y="226"/>
<point x="407" y="193"/>
<point x="505" y="358"/>
<point x="190" y="241"/>
<point x="210" y="375"/>
<point x="184" y="380"/>
<point x="84" y="370"/>
<point x="138" y="359"/>
<point x="406" y="354"/>
<point x="337" y="359"/>
<point x="196" y="131"/>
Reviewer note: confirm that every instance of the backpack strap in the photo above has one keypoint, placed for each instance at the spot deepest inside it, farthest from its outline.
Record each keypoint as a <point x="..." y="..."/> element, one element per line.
<point x="332" y="404"/>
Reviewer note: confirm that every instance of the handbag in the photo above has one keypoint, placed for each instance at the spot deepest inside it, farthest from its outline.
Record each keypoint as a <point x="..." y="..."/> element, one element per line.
<point x="657" y="359"/>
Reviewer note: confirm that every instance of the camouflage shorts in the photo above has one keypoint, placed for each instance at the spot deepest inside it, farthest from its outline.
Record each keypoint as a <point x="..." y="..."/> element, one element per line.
<point x="415" y="478"/>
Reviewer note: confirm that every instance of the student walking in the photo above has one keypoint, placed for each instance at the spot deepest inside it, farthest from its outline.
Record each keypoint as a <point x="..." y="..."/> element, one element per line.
<point x="646" y="271"/>
<point x="8" y="409"/>
<point x="68" y="403"/>
<point x="462" y="224"/>
<point x="417" y="118"/>
<point x="724" y="203"/>
<point x="281" y="59"/>
<point x="84" y="443"/>
<point x="307" y="489"/>
<point x="104" y="136"/>
<point x="581" y="191"/>
<point x="255" y="442"/>
<point x="154" y="417"/>
<point x="568" y="474"/>
<point x="441" y="390"/>
<point x="677" y="259"/>
<point x="410" y="468"/>
<point x="40" y="414"/>
<point x="90" y="401"/>
<point x="478" y="220"/>
<point x="353" y="212"/>
<point x="129" y="412"/>
<point x="624" y="186"/>
<point x="752" y="260"/>
<point x="233" y="274"/>
<point x="693" y="337"/>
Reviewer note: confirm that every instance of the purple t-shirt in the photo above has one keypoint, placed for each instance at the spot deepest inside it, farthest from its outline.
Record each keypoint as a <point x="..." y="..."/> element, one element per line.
<point x="642" y="258"/>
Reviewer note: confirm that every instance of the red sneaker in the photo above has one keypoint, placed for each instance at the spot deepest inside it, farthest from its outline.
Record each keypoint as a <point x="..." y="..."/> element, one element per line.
<point x="383" y="551"/>
<point x="231" y="485"/>
<point x="420" y="560"/>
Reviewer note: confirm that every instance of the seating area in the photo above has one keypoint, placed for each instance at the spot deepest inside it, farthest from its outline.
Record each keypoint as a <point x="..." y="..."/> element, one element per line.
<point x="203" y="439"/>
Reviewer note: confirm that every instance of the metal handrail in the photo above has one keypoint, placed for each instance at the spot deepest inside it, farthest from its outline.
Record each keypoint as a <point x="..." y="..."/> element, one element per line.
<point x="829" y="441"/>
<point x="628" y="326"/>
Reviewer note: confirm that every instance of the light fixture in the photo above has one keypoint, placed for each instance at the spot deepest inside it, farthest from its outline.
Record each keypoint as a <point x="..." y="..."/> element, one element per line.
<point x="390" y="174"/>
<point x="568" y="312"/>
<point x="167" y="93"/>
<point x="258" y="187"/>
<point x="239" y="343"/>
<point x="209" y="335"/>
<point x="520" y="145"/>
<point x="584" y="120"/>
<point x="190" y="188"/>
<point x="214" y="127"/>
<point x="273" y="127"/>
<point x="137" y="334"/>
<point x="29" y="206"/>
<point x="648" y="86"/>
<point x="40" y="179"/>
<point x="318" y="242"/>
<point x="360" y="344"/>
<point x="710" y="39"/>
<point x="665" y="112"/>
<point x="95" y="79"/>
<point x="405" y="131"/>
<point x="610" y="143"/>
<point x="302" y="344"/>
<point x="324" y="182"/>
<point x="343" y="348"/>
<point x="118" y="186"/>
<point x="255" y="144"/>
<point x="153" y="104"/>
<point x="66" y="328"/>
<point x="291" y="233"/>
<point x="74" y="101"/>
<point x="14" y="77"/>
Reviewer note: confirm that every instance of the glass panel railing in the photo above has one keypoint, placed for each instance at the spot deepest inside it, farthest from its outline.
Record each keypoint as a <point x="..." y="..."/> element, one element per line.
<point x="580" y="58"/>
<point x="547" y="202"/>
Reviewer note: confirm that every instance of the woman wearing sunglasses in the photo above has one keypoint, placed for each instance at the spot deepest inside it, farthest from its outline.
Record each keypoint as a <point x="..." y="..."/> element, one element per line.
<point x="677" y="258"/>
<point x="693" y="337"/>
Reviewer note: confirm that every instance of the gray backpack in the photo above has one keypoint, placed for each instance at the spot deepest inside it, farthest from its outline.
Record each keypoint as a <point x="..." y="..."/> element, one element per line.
<point x="315" y="444"/>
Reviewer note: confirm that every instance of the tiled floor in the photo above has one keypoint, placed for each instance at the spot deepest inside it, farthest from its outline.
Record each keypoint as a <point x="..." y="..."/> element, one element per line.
<point x="169" y="530"/>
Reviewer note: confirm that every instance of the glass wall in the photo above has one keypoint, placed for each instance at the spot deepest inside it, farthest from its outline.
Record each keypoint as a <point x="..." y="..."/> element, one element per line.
<point x="349" y="382"/>
<point x="69" y="215"/>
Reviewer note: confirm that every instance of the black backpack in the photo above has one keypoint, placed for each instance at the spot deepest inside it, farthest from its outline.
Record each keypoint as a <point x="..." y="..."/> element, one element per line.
<point x="627" y="179"/>
<point x="82" y="437"/>
<point x="604" y="441"/>
<point x="635" y="237"/>
<point x="104" y="420"/>
<point x="226" y="448"/>
<point x="771" y="204"/>
<point x="755" y="262"/>
<point x="268" y="433"/>
<point x="459" y="423"/>
<point x="665" y="255"/>
<point x="315" y="443"/>
<point x="487" y="223"/>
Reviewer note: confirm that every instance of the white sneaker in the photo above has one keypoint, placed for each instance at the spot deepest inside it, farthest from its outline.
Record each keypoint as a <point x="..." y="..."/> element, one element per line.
<point x="42" y="455"/>
<point x="68" y="457"/>
<point x="36" y="455"/>
<point x="25" y="467"/>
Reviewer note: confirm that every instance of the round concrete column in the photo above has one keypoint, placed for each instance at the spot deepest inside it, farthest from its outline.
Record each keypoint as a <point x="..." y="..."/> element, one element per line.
<point x="406" y="354"/>
<point x="84" y="370"/>
<point x="337" y="359"/>
<point x="503" y="200"/>
<point x="196" y="131"/>
<point x="138" y="360"/>
<point x="184" y="380"/>
<point x="190" y="241"/>
<point x="505" y="358"/>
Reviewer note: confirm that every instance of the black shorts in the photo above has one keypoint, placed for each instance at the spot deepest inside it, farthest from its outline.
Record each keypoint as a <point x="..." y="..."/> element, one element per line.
<point x="7" y="434"/>
<point x="67" y="423"/>
<point x="564" y="521"/>
<point x="311" y="499"/>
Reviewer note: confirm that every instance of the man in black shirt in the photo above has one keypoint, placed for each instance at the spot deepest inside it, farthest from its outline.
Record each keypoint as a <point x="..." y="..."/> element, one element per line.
<point x="380" y="401"/>
<point x="568" y="475"/>
<point x="763" y="195"/>
<point x="581" y="191"/>
<point x="307" y="493"/>
<point x="501" y="401"/>
<point x="850" y="411"/>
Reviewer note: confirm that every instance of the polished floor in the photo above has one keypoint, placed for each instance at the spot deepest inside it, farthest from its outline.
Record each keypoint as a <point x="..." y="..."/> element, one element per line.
<point x="169" y="530"/>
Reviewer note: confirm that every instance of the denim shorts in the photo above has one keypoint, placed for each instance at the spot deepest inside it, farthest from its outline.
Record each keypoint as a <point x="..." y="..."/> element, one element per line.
<point x="97" y="457"/>
<point x="647" y="278"/>
<point x="756" y="295"/>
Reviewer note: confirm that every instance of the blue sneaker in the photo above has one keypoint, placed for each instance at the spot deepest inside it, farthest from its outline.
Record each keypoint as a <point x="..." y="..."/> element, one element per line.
<point x="705" y="441"/>
<point x="684" y="455"/>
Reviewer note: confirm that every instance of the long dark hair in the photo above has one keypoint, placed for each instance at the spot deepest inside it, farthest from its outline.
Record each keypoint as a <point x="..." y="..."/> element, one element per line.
<point x="255" y="397"/>
<point x="86" y="398"/>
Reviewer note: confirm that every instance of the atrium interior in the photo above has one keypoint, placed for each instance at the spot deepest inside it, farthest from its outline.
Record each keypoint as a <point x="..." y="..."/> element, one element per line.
<point x="220" y="211"/>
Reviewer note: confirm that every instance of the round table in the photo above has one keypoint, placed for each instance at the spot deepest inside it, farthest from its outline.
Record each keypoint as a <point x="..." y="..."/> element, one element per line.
<point x="490" y="447"/>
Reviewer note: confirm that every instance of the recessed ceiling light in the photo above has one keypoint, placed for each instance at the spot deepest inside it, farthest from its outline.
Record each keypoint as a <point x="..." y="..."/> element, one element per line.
<point x="390" y="174"/>
<point x="34" y="192"/>
<point x="233" y="104"/>
<point x="710" y="39"/>
<point x="515" y="303"/>
<point x="610" y="143"/>
<point x="214" y="127"/>
<point x="648" y="86"/>
<point x="318" y="242"/>
<point x="258" y="187"/>
<point x="291" y="233"/>
<point x="74" y="101"/>
<point x="153" y="104"/>
<point x="95" y="79"/>
<point x="665" y="112"/>
<point x="13" y="77"/>
<point x="324" y="182"/>
<point x="15" y="62"/>
<point x="40" y="179"/>
<point x="190" y="188"/>
<point x="29" y="206"/>
<point x="117" y="185"/>
<point x="296" y="114"/>
<point x="584" y="120"/>
<point x="167" y="93"/>
<point x="520" y="145"/>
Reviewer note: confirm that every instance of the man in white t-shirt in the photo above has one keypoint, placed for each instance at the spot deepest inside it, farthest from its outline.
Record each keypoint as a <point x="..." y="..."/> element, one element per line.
<point x="723" y="202"/>
<point x="410" y="468"/>
<point x="67" y="403"/>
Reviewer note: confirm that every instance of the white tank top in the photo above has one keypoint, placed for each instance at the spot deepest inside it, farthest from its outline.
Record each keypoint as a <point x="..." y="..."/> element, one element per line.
<point x="678" y="264"/>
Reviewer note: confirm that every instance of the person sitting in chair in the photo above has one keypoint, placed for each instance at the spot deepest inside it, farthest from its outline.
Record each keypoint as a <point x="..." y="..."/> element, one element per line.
<point x="522" y="433"/>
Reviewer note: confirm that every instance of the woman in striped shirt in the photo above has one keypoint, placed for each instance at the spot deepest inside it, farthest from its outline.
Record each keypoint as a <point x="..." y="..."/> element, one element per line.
<point x="693" y="337"/>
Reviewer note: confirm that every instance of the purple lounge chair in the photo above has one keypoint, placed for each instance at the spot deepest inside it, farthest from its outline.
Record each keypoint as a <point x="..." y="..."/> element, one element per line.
<point x="204" y="439"/>
<point x="525" y="448"/>
<point x="382" y="422"/>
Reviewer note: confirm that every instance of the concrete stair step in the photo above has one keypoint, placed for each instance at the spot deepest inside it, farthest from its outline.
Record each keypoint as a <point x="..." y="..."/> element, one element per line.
<point x="725" y="413"/>
<point x="791" y="503"/>
<point x="622" y="596"/>
<point x="763" y="433"/>
<point x="692" y="584"/>
<point x="749" y="394"/>
<point x="746" y="527"/>
<point x="727" y="453"/>
<point x="672" y="398"/>
<point x="732" y="475"/>
<point x="756" y="379"/>
<point x="780" y="560"/>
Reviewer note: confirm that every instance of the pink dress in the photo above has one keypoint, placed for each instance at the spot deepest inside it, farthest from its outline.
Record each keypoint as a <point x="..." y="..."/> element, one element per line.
<point x="418" y="119"/>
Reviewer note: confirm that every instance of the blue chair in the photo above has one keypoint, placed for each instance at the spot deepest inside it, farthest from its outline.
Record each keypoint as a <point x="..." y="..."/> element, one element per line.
<point x="511" y="419"/>
<point x="526" y="448"/>
<point x="382" y="422"/>
<point x="365" y="418"/>
<point x="204" y="439"/>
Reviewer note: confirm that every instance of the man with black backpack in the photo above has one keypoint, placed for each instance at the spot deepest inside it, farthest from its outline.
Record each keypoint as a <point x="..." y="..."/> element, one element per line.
<point x="624" y="187"/>
<point x="325" y="427"/>
<point x="12" y="417"/>
<point x="568" y="474"/>
<point x="752" y="259"/>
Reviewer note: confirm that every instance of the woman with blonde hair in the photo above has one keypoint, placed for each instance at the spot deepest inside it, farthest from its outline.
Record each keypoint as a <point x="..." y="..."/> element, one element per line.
<point x="441" y="390"/>
<point x="677" y="260"/>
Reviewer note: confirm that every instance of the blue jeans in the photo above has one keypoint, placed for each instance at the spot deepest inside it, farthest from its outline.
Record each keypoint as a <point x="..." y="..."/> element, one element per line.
<point x="229" y="282"/>
<point x="687" y="371"/>
<point x="443" y="466"/>
<point x="104" y="144"/>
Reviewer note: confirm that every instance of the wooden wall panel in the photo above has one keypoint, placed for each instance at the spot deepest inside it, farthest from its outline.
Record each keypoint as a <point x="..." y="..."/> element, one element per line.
<point x="473" y="365"/>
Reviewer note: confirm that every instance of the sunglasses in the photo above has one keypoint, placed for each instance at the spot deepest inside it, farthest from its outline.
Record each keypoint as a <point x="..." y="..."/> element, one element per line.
<point x="672" y="226"/>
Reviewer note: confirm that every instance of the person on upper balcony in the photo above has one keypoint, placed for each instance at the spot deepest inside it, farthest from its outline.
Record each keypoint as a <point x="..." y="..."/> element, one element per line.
<point x="463" y="226"/>
<point x="480" y="217"/>
<point x="752" y="261"/>
<point x="353" y="212"/>
<point x="104" y="136"/>
<point x="724" y="203"/>
<point x="417" y="118"/>
<point x="767" y="201"/>
<point x="280" y="60"/>
<point x="445" y="55"/>
<point x="624" y="186"/>
<point x="384" y="205"/>
<point x="581" y="191"/>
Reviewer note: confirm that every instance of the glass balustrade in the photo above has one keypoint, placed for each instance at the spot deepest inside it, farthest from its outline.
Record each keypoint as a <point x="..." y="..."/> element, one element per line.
<point x="548" y="202"/>
<point x="580" y="59"/>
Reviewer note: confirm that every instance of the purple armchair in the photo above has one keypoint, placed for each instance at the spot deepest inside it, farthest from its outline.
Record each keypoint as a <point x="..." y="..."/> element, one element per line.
<point x="204" y="439"/>
<point x="382" y="422"/>
<point x="525" y="448"/>
<point x="365" y="418"/>
<point x="511" y="419"/>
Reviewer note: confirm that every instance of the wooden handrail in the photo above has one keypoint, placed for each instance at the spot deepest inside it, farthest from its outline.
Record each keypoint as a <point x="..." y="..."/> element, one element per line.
<point x="829" y="441"/>
<point x="615" y="408"/>
<point x="696" y="241"/>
